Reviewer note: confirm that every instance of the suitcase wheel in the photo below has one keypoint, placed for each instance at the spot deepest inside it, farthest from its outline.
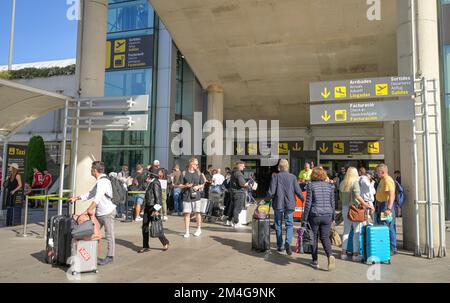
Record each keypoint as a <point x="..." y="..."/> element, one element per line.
<point x="74" y="273"/>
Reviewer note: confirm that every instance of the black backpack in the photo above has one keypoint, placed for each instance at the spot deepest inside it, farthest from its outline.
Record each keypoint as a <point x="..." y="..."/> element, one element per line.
<point x="118" y="190"/>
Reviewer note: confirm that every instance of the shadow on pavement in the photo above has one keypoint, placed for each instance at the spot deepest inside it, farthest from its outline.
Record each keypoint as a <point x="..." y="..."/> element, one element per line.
<point x="272" y="256"/>
<point x="40" y="256"/>
<point x="135" y="247"/>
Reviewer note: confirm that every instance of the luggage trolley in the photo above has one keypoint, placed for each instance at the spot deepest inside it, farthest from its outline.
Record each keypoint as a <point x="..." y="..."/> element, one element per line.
<point x="214" y="208"/>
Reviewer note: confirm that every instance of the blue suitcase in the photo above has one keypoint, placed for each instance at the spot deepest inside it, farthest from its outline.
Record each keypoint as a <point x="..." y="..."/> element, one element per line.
<point x="378" y="249"/>
<point x="361" y="242"/>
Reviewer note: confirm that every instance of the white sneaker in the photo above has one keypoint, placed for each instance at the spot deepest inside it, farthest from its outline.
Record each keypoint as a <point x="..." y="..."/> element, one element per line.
<point x="123" y="217"/>
<point x="138" y="219"/>
<point x="344" y="257"/>
<point x="165" y="218"/>
<point x="198" y="233"/>
<point x="228" y="223"/>
<point x="238" y="225"/>
<point x="186" y="235"/>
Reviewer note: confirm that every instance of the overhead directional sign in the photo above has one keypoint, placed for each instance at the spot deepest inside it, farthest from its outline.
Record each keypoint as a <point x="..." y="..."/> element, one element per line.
<point x="354" y="147"/>
<point x="129" y="53"/>
<point x="358" y="112"/>
<point x="369" y="88"/>
<point x="253" y="149"/>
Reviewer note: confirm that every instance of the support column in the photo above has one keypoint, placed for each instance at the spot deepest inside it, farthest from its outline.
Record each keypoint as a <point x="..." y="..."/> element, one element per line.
<point x="427" y="55"/>
<point x="166" y="97"/>
<point x="215" y="112"/>
<point x="92" y="81"/>
<point x="389" y="145"/>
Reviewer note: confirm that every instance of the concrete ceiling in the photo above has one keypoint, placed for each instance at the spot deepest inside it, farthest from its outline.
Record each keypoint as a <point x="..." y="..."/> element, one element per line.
<point x="266" y="52"/>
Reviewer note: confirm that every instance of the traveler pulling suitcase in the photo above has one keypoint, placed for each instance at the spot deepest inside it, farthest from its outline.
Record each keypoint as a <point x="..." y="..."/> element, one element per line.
<point x="377" y="246"/>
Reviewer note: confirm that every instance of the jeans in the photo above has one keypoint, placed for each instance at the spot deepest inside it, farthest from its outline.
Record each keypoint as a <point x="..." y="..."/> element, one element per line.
<point x="108" y="222"/>
<point x="379" y="208"/>
<point x="289" y="223"/>
<point x="321" y="226"/>
<point x="348" y="225"/>
<point x="121" y="209"/>
<point x="177" y="200"/>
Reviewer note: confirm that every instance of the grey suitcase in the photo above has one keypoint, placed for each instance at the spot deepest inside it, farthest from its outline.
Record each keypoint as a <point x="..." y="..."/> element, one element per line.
<point x="84" y="256"/>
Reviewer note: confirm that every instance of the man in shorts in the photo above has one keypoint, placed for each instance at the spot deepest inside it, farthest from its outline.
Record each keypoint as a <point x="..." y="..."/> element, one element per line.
<point x="191" y="183"/>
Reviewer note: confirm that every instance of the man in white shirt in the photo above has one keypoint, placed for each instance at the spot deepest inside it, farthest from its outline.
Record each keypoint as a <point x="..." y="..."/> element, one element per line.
<point x="105" y="210"/>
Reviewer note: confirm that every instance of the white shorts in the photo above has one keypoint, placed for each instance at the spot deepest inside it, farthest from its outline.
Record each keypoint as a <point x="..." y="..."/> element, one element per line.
<point x="187" y="206"/>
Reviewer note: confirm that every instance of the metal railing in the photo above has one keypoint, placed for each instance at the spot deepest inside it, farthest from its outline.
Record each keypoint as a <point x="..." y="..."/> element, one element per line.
<point x="46" y="198"/>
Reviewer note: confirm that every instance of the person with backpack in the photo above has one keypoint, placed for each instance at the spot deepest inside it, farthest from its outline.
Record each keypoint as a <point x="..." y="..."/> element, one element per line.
<point x="238" y="187"/>
<point x="139" y="184"/>
<point x="105" y="210"/>
<point x="120" y="194"/>
<point x="386" y="196"/>
<point x="191" y="184"/>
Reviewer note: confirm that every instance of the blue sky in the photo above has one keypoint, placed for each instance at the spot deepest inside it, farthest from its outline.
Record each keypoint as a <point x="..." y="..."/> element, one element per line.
<point x="42" y="31"/>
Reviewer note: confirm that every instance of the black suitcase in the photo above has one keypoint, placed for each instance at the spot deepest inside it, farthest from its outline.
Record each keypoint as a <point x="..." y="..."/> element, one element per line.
<point x="13" y="216"/>
<point x="59" y="240"/>
<point x="261" y="234"/>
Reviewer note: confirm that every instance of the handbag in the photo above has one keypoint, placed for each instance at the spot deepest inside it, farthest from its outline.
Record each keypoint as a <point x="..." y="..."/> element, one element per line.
<point x="83" y="230"/>
<point x="356" y="214"/>
<point x="156" y="227"/>
<point x="335" y="237"/>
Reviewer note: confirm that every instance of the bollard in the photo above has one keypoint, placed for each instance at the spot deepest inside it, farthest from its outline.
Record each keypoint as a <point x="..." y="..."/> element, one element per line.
<point x="25" y="222"/>
<point x="46" y="219"/>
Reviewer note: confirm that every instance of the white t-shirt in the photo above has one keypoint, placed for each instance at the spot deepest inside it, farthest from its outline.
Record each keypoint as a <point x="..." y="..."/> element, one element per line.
<point x="218" y="179"/>
<point x="104" y="205"/>
<point x="367" y="189"/>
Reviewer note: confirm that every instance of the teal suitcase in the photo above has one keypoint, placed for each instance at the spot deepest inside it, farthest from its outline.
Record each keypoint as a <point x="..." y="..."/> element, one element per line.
<point x="378" y="248"/>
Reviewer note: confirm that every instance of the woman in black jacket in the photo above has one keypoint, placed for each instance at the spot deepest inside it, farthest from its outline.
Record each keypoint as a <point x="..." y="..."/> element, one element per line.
<point x="320" y="213"/>
<point x="152" y="205"/>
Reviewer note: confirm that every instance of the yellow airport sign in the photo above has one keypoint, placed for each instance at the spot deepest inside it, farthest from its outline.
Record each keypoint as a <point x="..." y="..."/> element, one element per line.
<point x="340" y="92"/>
<point x="338" y="147"/>
<point x="283" y="148"/>
<point x="120" y="46"/>
<point x="373" y="147"/>
<point x="340" y="115"/>
<point x="382" y="89"/>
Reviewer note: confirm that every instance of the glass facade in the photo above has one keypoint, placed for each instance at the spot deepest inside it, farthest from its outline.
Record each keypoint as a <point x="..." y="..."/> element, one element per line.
<point x="126" y="20"/>
<point x="445" y="51"/>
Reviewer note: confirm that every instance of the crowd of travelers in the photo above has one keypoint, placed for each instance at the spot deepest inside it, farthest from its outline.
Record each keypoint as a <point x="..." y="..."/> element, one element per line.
<point x="182" y="191"/>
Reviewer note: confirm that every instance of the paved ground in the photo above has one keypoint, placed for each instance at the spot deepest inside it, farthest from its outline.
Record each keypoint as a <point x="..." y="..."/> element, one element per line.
<point x="219" y="255"/>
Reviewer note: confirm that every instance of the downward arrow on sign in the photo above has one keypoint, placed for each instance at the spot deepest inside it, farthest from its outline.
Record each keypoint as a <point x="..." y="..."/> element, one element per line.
<point x="323" y="149"/>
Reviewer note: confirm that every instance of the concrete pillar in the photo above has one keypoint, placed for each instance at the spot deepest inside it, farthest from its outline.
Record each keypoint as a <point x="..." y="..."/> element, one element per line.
<point x="165" y="98"/>
<point x="427" y="53"/>
<point x="92" y="81"/>
<point x="389" y="145"/>
<point x="215" y="112"/>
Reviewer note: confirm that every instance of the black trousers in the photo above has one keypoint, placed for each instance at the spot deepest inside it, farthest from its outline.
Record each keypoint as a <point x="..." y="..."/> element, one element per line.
<point x="321" y="226"/>
<point x="146" y="232"/>
<point x="236" y="206"/>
